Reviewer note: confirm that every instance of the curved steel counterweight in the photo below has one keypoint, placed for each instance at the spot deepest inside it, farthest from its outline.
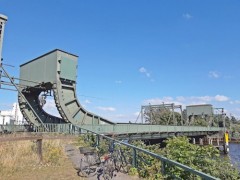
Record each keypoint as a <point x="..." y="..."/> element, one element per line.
<point x="57" y="71"/>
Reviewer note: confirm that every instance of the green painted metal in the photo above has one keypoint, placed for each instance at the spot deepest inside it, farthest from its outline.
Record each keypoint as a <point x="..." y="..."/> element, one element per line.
<point x="133" y="130"/>
<point x="56" y="71"/>
<point x="145" y="128"/>
<point x="203" y="109"/>
<point x="3" y="20"/>
<point x="134" y="157"/>
<point x="67" y="67"/>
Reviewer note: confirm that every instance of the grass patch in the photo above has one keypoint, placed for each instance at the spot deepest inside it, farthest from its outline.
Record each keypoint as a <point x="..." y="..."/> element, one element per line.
<point x="17" y="156"/>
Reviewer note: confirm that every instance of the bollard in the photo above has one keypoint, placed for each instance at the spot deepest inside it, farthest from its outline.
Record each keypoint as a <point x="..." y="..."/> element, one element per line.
<point x="226" y="143"/>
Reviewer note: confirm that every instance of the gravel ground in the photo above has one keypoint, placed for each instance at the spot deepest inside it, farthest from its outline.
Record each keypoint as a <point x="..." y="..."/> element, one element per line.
<point x="74" y="155"/>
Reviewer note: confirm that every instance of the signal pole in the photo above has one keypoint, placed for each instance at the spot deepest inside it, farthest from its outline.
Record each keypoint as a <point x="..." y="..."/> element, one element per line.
<point x="3" y="20"/>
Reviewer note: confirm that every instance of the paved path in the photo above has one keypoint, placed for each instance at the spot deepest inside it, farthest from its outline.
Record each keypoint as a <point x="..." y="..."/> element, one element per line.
<point x="74" y="155"/>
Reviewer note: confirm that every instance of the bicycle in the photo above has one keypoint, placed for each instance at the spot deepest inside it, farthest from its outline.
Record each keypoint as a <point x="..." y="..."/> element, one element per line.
<point x="121" y="162"/>
<point x="92" y="164"/>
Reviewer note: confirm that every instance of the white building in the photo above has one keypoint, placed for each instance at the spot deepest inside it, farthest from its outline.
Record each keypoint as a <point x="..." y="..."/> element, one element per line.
<point x="13" y="116"/>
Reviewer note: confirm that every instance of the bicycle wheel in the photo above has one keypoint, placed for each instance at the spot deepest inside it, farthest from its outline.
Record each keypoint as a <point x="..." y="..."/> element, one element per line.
<point x="124" y="167"/>
<point x="108" y="169"/>
<point x="121" y="163"/>
<point x="88" y="167"/>
<point x="87" y="171"/>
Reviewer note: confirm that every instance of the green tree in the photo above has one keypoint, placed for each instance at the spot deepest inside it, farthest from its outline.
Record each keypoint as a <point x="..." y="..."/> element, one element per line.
<point x="162" y="116"/>
<point x="203" y="158"/>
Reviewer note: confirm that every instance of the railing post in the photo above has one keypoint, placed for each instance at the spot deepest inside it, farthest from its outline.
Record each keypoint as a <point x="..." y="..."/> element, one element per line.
<point x="134" y="157"/>
<point x="97" y="140"/>
<point x="39" y="149"/>
<point x="163" y="167"/>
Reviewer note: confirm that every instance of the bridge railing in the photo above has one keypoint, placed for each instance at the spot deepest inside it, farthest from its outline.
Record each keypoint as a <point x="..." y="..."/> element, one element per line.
<point x="72" y="129"/>
<point x="109" y="129"/>
<point x="164" y="161"/>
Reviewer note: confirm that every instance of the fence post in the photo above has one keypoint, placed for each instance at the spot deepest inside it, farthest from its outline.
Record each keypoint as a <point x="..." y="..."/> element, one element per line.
<point x="97" y="140"/>
<point x="134" y="156"/>
<point x="39" y="149"/>
<point x="163" y="167"/>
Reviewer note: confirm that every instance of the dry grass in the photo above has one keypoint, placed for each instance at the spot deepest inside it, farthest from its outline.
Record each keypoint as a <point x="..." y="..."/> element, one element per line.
<point x="19" y="160"/>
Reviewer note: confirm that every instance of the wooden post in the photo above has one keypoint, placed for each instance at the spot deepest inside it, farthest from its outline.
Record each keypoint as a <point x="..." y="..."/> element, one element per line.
<point x="39" y="149"/>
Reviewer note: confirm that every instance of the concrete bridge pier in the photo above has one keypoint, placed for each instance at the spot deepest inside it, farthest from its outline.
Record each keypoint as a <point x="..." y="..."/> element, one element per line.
<point x="193" y="140"/>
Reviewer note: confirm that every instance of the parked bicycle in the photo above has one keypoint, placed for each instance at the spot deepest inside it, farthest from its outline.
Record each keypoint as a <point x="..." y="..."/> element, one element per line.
<point x="92" y="164"/>
<point x="121" y="159"/>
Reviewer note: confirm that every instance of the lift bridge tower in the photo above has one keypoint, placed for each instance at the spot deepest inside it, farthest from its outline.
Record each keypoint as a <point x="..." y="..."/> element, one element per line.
<point x="3" y="20"/>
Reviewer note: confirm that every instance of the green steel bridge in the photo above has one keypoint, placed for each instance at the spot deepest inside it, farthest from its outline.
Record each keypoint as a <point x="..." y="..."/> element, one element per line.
<point x="56" y="72"/>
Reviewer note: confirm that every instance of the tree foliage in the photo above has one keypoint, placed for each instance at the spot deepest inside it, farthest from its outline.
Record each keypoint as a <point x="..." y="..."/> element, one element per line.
<point x="203" y="158"/>
<point x="162" y="116"/>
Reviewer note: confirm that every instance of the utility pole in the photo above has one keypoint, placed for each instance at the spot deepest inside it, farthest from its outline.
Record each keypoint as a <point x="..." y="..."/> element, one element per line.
<point x="3" y="20"/>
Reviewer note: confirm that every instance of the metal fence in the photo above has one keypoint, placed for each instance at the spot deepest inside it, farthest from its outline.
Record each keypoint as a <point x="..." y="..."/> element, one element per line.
<point x="72" y="129"/>
<point x="164" y="161"/>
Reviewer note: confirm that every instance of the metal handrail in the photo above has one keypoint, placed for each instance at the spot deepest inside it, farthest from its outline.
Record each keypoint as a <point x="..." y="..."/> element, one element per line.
<point x="163" y="159"/>
<point x="74" y="129"/>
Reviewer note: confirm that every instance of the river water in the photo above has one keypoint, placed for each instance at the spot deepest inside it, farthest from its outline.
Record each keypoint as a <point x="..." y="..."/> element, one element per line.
<point x="234" y="153"/>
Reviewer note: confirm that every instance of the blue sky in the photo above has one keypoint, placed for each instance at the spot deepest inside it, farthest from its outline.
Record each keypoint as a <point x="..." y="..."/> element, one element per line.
<point x="134" y="52"/>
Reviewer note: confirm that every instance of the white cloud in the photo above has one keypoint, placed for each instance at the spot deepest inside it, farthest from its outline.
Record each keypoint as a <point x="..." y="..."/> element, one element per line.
<point x="203" y="98"/>
<point x="142" y="70"/>
<point x="145" y="71"/>
<point x="136" y="114"/>
<point x="120" y="116"/>
<point x="50" y="107"/>
<point x="235" y="102"/>
<point x="111" y="109"/>
<point x="164" y="100"/>
<point x="187" y="16"/>
<point x="221" y="98"/>
<point x="180" y="100"/>
<point x="213" y="74"/>
<point x="87" y="101"/>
